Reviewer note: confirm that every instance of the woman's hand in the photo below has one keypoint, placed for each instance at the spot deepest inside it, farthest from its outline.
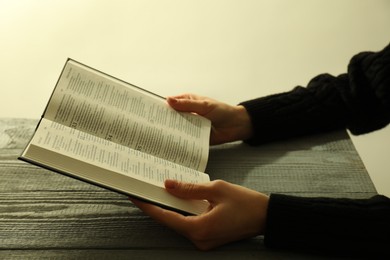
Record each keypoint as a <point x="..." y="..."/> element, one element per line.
<point x="229" y="123"/>
<point x="235" y="213"/>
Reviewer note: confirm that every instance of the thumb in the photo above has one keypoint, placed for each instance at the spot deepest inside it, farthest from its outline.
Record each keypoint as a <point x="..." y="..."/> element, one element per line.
<point x="189" y="190"/>
<point x="189" y="103"/>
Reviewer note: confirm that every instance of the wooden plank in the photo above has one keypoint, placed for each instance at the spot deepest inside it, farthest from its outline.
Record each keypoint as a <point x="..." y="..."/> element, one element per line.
<point x="152" y="253"/>
<point x="334" y="180"/>
<point x="265" y="168"/>
<point x="318" y="164"/>
<point x="14" y="132"/>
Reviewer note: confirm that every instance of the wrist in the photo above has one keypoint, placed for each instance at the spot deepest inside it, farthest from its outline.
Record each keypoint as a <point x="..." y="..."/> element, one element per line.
<point x="244" y="123"/>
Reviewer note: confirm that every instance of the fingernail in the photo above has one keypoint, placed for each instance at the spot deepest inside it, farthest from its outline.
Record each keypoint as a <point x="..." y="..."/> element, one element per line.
<point x="170" y="184"/>
<point x="172" y="100"/>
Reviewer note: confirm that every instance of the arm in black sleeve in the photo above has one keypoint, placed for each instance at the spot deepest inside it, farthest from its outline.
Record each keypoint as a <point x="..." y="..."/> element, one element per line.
<point x="338" y="226"/>
<point x="358" y="100"/>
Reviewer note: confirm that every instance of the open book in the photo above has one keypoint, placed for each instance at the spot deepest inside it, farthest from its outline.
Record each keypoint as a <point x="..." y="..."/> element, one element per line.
<point x="113" y="134"/>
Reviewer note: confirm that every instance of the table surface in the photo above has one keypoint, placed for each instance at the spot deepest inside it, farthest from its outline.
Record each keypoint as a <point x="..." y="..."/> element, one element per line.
<point x="45" y="214"/>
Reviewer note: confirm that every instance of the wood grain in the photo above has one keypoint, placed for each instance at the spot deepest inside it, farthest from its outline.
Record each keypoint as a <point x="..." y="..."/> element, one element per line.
<point x="47" y="215"/>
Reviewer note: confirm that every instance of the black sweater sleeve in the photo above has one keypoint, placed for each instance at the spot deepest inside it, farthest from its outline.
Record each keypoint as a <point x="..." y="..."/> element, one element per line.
<point x="358" y="227"/>
<point x="358" y="100"/>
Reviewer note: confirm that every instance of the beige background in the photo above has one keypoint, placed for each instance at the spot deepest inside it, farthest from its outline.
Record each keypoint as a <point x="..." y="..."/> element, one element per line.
<point x="231" y="50"/>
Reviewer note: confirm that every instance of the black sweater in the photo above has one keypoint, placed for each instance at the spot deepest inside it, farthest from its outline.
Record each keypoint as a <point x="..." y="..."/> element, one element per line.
<point x="358" y="100"/>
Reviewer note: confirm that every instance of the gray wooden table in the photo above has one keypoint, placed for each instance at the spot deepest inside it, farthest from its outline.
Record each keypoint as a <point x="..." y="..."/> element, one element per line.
<point x="47" y="215"/>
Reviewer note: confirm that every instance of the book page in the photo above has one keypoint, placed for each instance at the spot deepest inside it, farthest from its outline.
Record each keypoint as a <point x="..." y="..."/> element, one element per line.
<point x="91" y="101"/>
<point x="111" y="156"/>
